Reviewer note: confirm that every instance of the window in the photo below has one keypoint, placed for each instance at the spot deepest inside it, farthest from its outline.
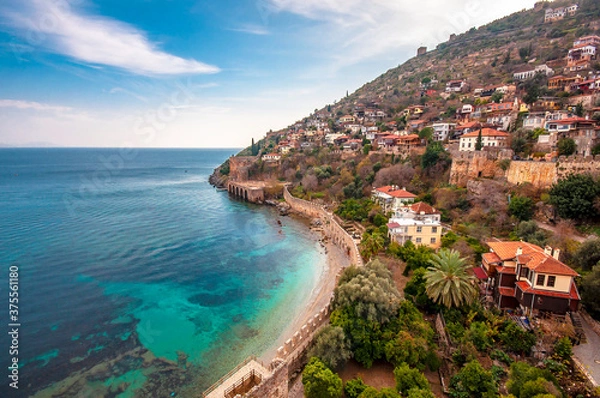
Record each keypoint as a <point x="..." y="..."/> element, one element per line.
<point x="433" y="240"/>
<point x="418" y="240"/>
<point x="419" y="230"/>
<point x="524" y="272"/>
<point x="551" y="281"/>
<point x="434" y="230"/>
<point x="540" y="280"/>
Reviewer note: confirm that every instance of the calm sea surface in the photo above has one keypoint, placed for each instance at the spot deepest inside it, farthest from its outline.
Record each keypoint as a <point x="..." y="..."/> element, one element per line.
<point x="137" y="277"/>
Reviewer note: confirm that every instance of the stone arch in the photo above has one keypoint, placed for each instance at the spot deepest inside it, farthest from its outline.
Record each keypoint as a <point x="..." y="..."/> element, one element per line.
<point x="246" y="194"/>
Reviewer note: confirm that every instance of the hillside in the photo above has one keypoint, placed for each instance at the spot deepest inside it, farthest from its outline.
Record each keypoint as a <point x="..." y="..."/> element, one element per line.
<point x="474" y="147"/>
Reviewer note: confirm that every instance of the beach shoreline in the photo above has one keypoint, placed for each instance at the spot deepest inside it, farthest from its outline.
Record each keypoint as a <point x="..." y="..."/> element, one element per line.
<point x="321" y="294"/>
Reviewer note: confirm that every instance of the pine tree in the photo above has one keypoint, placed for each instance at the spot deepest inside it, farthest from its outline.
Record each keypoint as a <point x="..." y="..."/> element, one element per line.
<point x="479" y="143"/>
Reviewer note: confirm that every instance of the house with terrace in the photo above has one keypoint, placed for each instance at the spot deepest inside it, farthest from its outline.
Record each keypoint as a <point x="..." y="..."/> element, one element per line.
<point x="524" y="276"/>
<point x="418" y="223"/>
<point x="392" y="197"/>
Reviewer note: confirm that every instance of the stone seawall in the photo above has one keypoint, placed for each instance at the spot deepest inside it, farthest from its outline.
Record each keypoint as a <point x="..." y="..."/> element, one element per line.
<point x="332" y="229"/>
<point x="292" y="355"/>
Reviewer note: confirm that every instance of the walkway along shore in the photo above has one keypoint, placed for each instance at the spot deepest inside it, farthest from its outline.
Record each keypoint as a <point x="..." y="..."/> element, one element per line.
<point x="252" y="378"/>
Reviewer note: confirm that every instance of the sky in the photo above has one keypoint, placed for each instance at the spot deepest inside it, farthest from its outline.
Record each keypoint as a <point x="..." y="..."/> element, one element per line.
<point x="201" y="73"/>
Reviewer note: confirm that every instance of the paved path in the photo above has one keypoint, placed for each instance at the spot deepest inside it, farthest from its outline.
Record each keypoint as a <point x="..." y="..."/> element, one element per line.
<point x="589" y="353"/>
<point x="548" y="227"/>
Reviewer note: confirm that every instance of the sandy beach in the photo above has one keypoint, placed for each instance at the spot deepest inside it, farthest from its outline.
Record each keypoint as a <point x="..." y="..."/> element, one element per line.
<point x="320" y="297"/>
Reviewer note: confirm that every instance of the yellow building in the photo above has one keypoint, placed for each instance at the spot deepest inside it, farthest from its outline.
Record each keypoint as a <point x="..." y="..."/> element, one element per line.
<point x="418" y="223"/>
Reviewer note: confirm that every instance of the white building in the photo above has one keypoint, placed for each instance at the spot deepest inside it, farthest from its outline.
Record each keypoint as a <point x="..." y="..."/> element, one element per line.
<point x="489" y="138"/>
<point x="418" y="223"/>
<point x="392" y="197"/>
<point x="529" y="73"/>
<point x="534" y="121"/>
<point x="441" y="131"/>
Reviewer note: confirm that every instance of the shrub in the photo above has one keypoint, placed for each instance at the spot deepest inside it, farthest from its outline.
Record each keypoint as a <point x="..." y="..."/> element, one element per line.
<point x="407" y="379"/>
<point x="473" y="381"/>
<point x="319" y="381"/>
<point x="331" y="347"/>
<point x="354" y="387"/>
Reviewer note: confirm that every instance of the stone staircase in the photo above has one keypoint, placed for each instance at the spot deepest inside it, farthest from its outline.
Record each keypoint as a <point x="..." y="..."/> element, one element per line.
<point x="579" y="332"/>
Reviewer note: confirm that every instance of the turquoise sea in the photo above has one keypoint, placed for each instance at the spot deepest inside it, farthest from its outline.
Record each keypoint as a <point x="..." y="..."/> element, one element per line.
<point x="136" y="277"/>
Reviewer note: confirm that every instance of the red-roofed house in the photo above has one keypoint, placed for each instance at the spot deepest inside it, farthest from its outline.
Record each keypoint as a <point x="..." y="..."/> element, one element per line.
<point x="391" y="197"/>
<point x="523" y="275"/>
<point x="489" y="138"/>
<point x="419" y="223"/>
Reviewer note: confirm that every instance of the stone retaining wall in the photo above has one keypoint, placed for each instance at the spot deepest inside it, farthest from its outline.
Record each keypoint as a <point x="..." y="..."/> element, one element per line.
<point x="332" y="229"/>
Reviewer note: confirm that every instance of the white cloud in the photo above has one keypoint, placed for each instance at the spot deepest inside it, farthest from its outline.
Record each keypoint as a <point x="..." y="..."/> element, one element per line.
<point x="97" y="40"/>
<point x="252" y="29"/>
<point x="37" y="106"/>
<point x="355" y="30"/>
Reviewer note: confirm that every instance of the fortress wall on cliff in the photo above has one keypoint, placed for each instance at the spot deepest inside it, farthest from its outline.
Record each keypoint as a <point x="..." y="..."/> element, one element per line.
<point x="238" y="167"/>
<point x="477" y="164"/>
<point x="472" y="165"/>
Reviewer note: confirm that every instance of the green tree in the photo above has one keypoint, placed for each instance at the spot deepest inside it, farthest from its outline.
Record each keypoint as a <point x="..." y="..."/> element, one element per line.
<point x="473" y="381"/>
<point x="596" y="150"/>
<point x="479" y="143"/>
<point x="331" y="346"/>
<point x="521" y="373"/>
<point x="521" y="207"/>
<point x="407" y="379"/>
<point x="516" y="339"/>
<point x="530" y="232"/>
<point x="371" y="244"/>
<point x="433" y="154"/>
<point x="574" y="196"/>
<point x="415" y="290"/>
<point x="354" y="387"/>
<point x="448" y="282"/>
<point x="563" y="349"/>
<point x="407" y="349"/>
<point x="587" y="255"/>
<point x="579" y="110"/>
<point x="566" y="146"/>
<point x="426" y="134"/>
<point x="497" y="97"/>
<point x="420" y="393"/>
<point x="590" y="291"/>
<point x="371" y="293"/>
<point x="319" y="381"/>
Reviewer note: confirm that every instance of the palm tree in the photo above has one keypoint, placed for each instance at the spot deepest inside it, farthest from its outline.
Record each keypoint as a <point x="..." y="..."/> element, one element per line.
<point x="371" y="244"/>
<point x="447" y="280"/>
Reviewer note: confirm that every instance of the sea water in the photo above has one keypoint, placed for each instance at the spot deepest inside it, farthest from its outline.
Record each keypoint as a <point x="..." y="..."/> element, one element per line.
<point x="136" y="276"/>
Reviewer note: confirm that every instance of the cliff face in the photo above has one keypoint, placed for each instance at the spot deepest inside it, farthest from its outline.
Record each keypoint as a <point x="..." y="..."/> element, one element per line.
<point x="473" y="165"/>
<point x="481" y="164"/>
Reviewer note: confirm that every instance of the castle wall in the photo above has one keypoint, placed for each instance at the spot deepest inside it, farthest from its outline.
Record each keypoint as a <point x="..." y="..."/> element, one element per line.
<point x="473" y="165"/>
<point x="238" y="167"/>
<point x="478" y="164"/>
<point x="331" y="228"/>
<point x="539" y="174"/>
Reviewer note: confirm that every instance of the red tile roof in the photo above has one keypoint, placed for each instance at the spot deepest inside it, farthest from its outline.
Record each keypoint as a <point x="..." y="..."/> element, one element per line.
<point x="393" y="225"/>
<point x="423" y="207"/>
<point x="468" y="125"/>
<point x="533" y="257"/>
<point x="506" y="270"/>
<point x="526" y="288"/>
<point x="486" y="132"/>
<point x="491" y="258"/>
<point x="480" y="273"/>
<point x="507" y="291"/>
<point x="396" y="192"/>
<point x="508" y="250"/>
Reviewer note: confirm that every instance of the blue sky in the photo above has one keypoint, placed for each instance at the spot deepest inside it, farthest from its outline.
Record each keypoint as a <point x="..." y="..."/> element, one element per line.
<point x="190" y="73"/>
